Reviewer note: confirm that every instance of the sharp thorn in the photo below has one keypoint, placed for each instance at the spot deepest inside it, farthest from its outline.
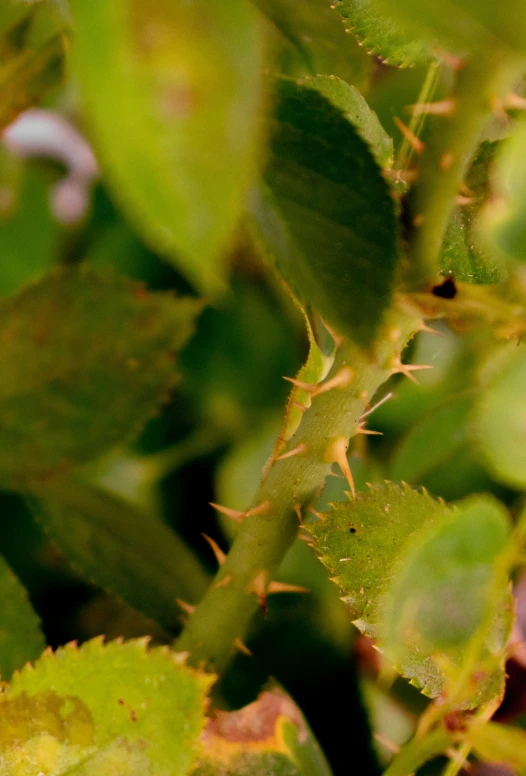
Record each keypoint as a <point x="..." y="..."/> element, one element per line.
<point x="259" y="587"/>
<point x="367" y="431"/>
<point x="301" y="449"/>
<point x="188" y="608"/>
<point x="416" y="144"/>
<point x="430" y="330"/>
<point x="224" y="582"/>
<point x="300" y="384"/>
<point x="282" y="587"/>
<point x="319" y="515"/>
<point x="216" y="549"/>
<point x="342" y="379"/>
<point x="440" y="108"/>
<point x="238" y="644"/>
<point x="297" y="509"/>
<point x="515" y="101"/>
<point x="337" y="452"/>
<point x="233" y="514"/>
<point x="301" y="407"/>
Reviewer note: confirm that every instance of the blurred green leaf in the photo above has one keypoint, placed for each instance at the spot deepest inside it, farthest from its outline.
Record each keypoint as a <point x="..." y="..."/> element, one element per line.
<point x="317" y="43"/>
<point x="499" y="415"/>
<point x="500" y="744"/>
<point x="268" y="737"/>
<point x="129" y="553"/>
<point x="432" y="440"/>
<point x="314" y="214"/>
<point x="465" y="252"/>
<point x="471" y="24"/>
<point x="86" y="358"/>
<point x="173" y="92"/>
<point x="349" y="100"/>
<point x="382" y="35"/>
<point x="33" y="43"/>
<point x="102" y="710"/>
<point x="25" y="253"/>
<point x="504" y="217"/>
<point x="21" y="639"/>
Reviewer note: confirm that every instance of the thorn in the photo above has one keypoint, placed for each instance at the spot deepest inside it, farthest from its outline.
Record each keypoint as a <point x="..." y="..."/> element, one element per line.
<point x="378" y="404"/>
<point x="389" y="745"/>
<point x="416" y="144"/>
<point x="363" y="430"/>
<point x="260" y="509"/>
<point x="440" y="108"/>
<point x="301" y="407"/>
<point x="300" y="384"/>
<point x="406" y="176"/>
<point x="338" y="340"/>
<point x="408" y="369"/>
<point x="259" y="587"/>
<point x="233" y="514"/>
<point x="342" y="379"/>
<point x="282" y="587"/>
<point x="515" y="101"/>
<point x="337" y="451"/>
<point x="297" y="509"/>
<point x="319" y="515"/>
<point x="455" y="63"/>
<point x="238" y="644"/>
<point x="463" y="201"/>
<point x="446" y="160"/>
<point x="430" y="330"/>
<point x="335" y="474"/>
<point x="216" y="549"/>
<point x="188" y="608"/>
<point x="223" y="582"/>
<point x="301" y="449"/>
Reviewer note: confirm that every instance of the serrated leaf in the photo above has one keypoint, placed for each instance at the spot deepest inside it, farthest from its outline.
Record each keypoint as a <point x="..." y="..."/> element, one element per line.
<point x="33" y="42"/>
<point x="466" y="253"/>
<point x="101" y="710"/>
<point x="314" y="217"/>
<point x="316" y="39"/>
<point x="499" y="743"/>
<point x="395" y="543"/>
<point x="499" y="415"/>
<point x="268" y="737"/>
<point x="355" y="108"/>
<point x="360" y="541"/>
<point x="173" y="92"/>
<point x="382" y="35"/>
<point x="21" y="639"/>
<point x="127" y="552"/>
<point x="86" y="358"/>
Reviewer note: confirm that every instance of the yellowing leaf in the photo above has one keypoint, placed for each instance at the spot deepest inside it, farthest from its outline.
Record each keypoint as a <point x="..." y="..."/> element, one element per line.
<point x="102" y="711"/>
<point x="173" y="93"/>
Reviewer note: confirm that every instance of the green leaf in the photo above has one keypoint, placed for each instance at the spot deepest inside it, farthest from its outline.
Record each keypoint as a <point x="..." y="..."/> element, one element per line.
<point x="499" y="743"/>
<point x="127" y="552"/>
<point x="174" y="95"/>
<point x="21" y="639"/>
<point x="466" y="253"/>
<point x="268" y="737"/>
<point x="464" y="24"/>
<point x="505" y="216"/>
<point x="432" y="440"/>
<point x="102" y="710"/>
<point x="355" y="108"/>
<point x="316" y="40"/>
<point x="86" y="358"/>
<point x="499" y="415"/>
<point x="314" y="214"/>
<point x="383" y="35"/>
<point x="417" y="575"/>
<point x="33" y="40"/>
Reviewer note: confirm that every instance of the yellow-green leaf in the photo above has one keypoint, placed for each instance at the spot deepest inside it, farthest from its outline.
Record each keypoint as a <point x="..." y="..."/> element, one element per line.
<point x="499" y="743"/>
<point x="173" y="93"/>
<point x="101" y="711"/>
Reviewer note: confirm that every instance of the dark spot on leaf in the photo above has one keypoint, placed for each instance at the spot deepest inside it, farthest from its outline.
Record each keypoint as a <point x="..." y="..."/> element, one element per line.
<point x="446" y="290"/>
<point x="352" y="529"/>
<point x="120" y="702"/>
<point x="133" y="716"/>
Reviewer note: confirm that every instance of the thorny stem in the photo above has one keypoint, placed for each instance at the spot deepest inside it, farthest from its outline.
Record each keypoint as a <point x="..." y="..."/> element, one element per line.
<point x="418" y="751"/>
<point x="417" y="119"/>
<point x="482" y="83"/>
<point x="224" y="614"/>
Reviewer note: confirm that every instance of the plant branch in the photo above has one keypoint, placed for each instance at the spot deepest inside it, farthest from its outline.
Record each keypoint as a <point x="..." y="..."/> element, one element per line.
<point x="290" y="483"/>
<point x="482" y="83"/>
<point x="418" y="751"/>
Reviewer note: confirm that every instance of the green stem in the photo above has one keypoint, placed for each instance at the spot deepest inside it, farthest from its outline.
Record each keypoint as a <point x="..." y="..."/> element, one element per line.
<point x="418" y="751"/>
<point x="224" y="614"/>
<point x="418" y="119"/>
<point x="480" y="83"/>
